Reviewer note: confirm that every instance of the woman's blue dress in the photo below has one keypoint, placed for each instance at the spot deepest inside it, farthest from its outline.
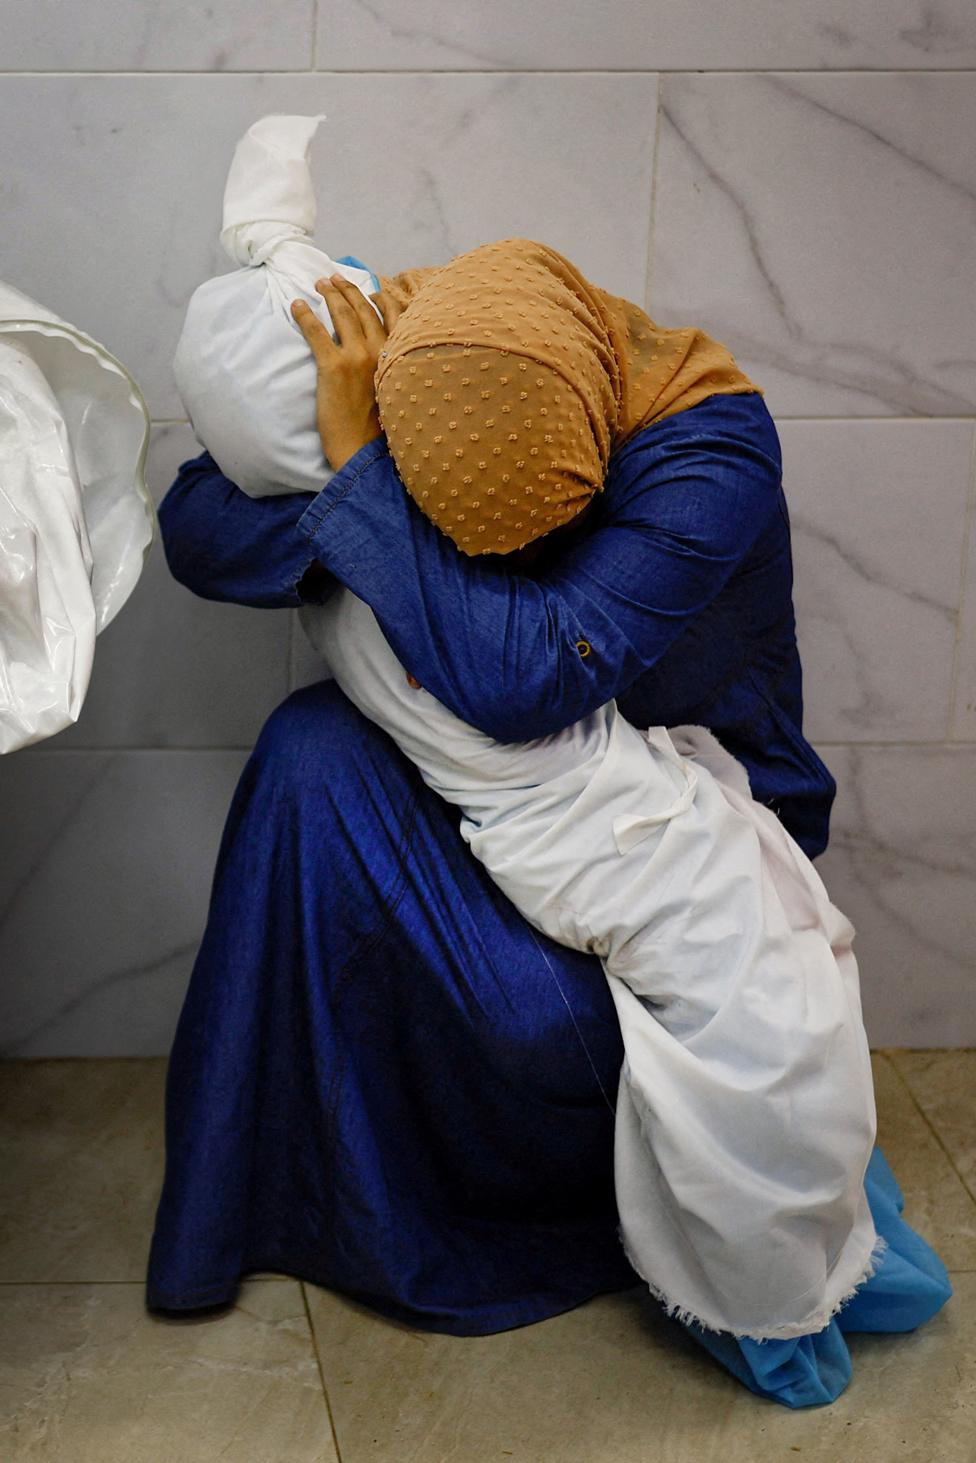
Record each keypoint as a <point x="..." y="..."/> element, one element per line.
<point x="383" y="1080"/>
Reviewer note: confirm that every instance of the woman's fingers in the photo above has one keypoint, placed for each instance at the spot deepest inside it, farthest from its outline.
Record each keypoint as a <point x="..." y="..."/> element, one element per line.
<point x="313" y="330"/>
<point x="349" y="309"/>
<point x="391" y="310"/>
<point x="347" y="305"/>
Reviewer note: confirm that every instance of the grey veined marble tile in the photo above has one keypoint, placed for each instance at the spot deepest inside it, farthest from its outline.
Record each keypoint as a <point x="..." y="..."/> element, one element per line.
<point x="174" y="669"/>
<point x="104" y="886"/>
<point x="878" y="511"/>
<point x="90" y="1376"/>
<point x="937" y="1204"/>
<point x="83" y="1144"/>
<point x="307" y="664"/>
<point x="83" y="1161"/>
<point x="156" y="35"/>
<point x="645" y="34"/>
<point x="614" y="1381"/>
<point x="822" y="228"/>
<point x="115" y="183"/>
<point x="901" y="864"/>
<point x="943" y="1083"/>
<point x="963" y="723"/>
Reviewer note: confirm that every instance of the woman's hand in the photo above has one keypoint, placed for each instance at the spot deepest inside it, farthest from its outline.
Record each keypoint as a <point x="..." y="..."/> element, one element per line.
<point x="346" y="413"/>
<point x="346" y="401"/>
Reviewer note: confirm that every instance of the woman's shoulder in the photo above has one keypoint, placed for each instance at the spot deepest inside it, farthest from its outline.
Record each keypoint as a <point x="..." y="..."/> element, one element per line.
<point x="711" y="475"/>
<point x="726" y="418"/>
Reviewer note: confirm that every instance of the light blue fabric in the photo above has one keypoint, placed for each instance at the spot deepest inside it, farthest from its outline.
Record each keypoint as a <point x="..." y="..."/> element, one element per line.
<point x="910" y="1285"/>
<point x="358" y="264"/>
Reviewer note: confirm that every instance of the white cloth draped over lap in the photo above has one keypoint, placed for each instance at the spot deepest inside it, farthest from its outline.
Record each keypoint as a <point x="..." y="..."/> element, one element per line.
<point x="745" y="1115"/>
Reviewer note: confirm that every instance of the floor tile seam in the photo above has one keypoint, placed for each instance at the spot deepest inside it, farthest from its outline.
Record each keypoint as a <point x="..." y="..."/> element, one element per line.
<point x="250" y="1279"/>
<point x="925" y="1051"/>
<point x="413" y="72"/>
<point x="318" y="1363"/>
<point x="925" y="1119"/>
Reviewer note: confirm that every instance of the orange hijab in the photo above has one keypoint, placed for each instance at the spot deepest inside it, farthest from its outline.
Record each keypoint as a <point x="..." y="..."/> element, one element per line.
<point x="509" y="379"/>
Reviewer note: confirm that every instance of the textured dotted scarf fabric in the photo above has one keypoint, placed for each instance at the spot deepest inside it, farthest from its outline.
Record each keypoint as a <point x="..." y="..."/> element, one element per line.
<point x="509" y="379"/>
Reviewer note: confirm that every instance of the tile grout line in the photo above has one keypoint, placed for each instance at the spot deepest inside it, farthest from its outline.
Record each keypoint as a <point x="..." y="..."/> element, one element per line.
<point x="254" y="1280"/>
<point x="780" y="417"/>
<point x="921" y="1111"/>
<point x="318" y="1362"/>
<point x="44" y="749"/>
<point x="249" y="1279"/>
<point x="695" y="71"/>
<point x="963" y="585"/>
<point x="649" y="257"/>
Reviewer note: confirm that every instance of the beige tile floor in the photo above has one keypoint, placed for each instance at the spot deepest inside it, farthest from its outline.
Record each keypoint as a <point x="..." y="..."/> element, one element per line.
<point x="296" y="1374"/>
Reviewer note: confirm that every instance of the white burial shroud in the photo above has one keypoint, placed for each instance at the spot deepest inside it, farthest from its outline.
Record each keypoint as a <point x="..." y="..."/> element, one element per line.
<point x="745" y="1115"/>
<point x="245" y="372"/>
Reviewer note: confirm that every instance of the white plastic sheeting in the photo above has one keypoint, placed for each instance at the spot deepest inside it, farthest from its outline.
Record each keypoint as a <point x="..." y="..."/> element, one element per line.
<point x="76" y="518"/>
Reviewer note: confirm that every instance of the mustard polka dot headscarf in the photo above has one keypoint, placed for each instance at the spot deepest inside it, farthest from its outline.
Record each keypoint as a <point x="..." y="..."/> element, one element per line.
<point x="509" y="379"/>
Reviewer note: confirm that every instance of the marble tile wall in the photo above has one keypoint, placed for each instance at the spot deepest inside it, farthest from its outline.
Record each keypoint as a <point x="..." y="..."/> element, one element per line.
<point x="798" y="180"/>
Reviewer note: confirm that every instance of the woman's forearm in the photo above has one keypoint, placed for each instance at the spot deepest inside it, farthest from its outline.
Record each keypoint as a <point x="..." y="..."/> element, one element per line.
<point x="515" y="656"/>
<point x="522" y="657"/>
<point x="224" y="545"/>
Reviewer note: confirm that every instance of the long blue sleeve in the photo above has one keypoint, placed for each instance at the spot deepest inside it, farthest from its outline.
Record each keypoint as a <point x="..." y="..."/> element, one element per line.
<point x="518" y="655"/>
<point x="523" y="656"/>
<point x="223" y="545"/>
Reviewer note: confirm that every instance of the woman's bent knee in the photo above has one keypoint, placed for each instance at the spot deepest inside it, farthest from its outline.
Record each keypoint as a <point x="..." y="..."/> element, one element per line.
<point x="316" y="736"/>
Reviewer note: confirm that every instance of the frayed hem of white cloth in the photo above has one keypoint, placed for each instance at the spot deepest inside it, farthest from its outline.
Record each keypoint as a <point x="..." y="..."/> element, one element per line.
<point x="788" y="1329"/>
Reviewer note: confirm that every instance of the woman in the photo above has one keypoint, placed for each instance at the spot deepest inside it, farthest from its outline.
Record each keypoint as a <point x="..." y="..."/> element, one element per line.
<point x="383" y="1080"/>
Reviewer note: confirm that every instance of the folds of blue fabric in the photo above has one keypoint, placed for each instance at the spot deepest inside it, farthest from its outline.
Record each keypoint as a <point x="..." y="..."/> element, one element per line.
<point x="378" y="1081"/>
<point x="385" y="1082"/>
